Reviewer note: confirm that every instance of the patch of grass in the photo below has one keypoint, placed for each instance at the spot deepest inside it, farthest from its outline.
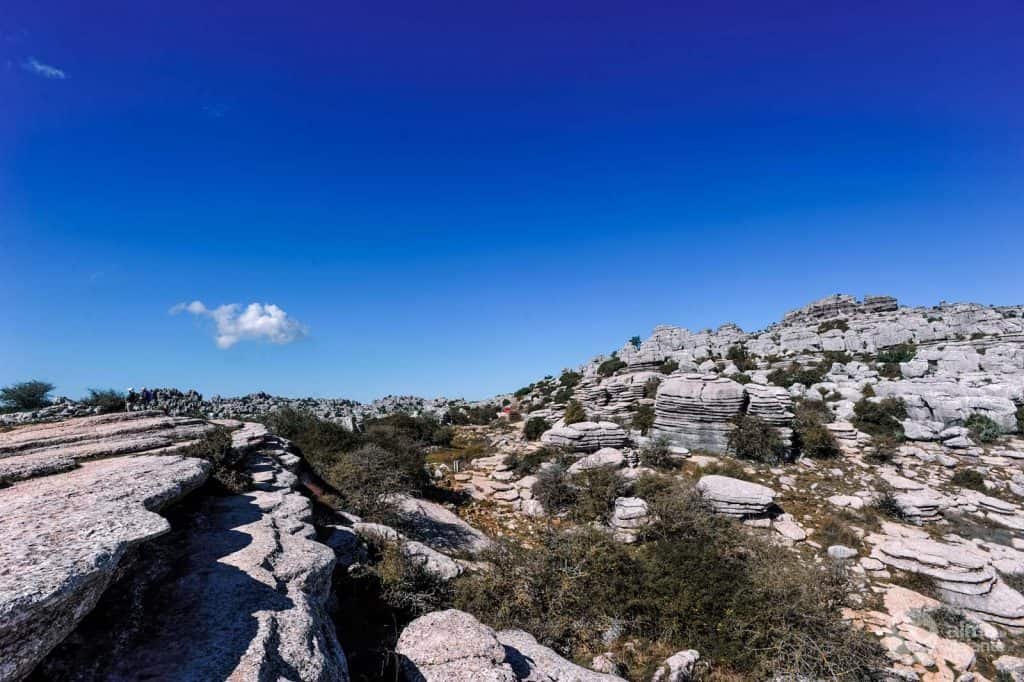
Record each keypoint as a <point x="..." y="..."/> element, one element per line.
<point x="970" y="479"/>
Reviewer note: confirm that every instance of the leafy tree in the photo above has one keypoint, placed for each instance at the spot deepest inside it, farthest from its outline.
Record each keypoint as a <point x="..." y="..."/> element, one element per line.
<point x="635" y="341"/>
<point x="574" y="413"/>
<point x="27" y="395"/>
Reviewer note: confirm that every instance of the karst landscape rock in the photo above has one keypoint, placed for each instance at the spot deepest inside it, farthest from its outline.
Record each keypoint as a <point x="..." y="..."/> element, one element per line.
<point x="873" y="444"/>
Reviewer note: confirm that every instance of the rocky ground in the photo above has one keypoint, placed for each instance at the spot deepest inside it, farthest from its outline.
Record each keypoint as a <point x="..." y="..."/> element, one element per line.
<point x="122" y="562"/>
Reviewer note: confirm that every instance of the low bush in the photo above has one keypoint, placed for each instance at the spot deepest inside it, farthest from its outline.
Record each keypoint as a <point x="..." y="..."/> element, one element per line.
<point x="574" y="413"/>
<point x="883" y="449"/>
<point x="971" y="479"/>
<point x="635" y="341"/>
<point x="903" y="352"/>
<point x="480" y="415"/>
<point x="740" y="357"/>
<point x="1020" y="419"/>
<point x="841" y="357"/>
<point x="657" y="454"/>
<point x="651" y="387"/>
<point x="880" y="417"/>
<point x="529" y="463"/>
<point x="837" y="529"/>
<point x="610" y="366"/>
<point x="727" y="467"/>
<point x="889" y="370"/>
<point x="741" y="378"/>
<point x="810" y="436"/>
<point x="554" y="490"/>
<point x="227" y="475"/>
<point x="748" y="606"/>
<point x="108" y="400"/>
<point x="796" y="373"/>
<point x="27" y="395"/>
<point x="829" y="325"/>
<point x="643" y="418"/>
<point x="751" y="438"/>
<point x="596" y="490"/>
<point x="668" y="366"/>
<point x="886" y="505"/>
<point x="534" y="427"/>
<point x="367" y="476"/>
<point x="983" y="429"/>
<point x="570" y="378"/>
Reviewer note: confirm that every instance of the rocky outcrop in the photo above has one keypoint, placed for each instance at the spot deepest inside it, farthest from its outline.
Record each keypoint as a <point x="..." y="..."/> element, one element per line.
<point x="605" y="457"/>
<point x="453" y="646"/>
<point x="733" y="497"/>
<point x="39" y="449"/>
<point x="679" y="667"/>
<point x="698" y="411"/>
<point x="630" y="516"/>
<point x="586" y="436"/>
<point x="64" y="536"/>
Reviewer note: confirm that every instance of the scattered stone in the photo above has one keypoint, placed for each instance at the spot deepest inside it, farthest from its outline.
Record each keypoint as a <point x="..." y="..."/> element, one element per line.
<point x="734" y="497"/>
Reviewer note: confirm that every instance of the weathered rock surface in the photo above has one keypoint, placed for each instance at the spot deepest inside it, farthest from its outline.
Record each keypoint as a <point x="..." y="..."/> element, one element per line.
<point x="453" y="646"/>
<point x="734" y="497"/>
<point x="63" y="536"/>
<point x="39" y="449"/>
<point x="586" y="436"/>
<point x="697" y="411"/>
<point x="630" y="517"/>
<point x="605" y="457"/>
<point x="679" y="667"/>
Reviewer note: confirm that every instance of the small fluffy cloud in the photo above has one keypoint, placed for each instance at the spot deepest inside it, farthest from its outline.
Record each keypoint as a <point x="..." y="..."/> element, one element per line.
<point x="37" y="68"/>
<point x="255" y="321"/>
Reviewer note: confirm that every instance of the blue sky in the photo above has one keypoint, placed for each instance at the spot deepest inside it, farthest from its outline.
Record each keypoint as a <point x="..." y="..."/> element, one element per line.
<point x="457" y="198"/>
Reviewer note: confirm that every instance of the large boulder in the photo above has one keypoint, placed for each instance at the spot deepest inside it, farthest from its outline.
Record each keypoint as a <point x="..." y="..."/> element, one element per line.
<point x="585" y="436"/>
<point x="697" y="411"/>
<point x="734" y="497"/>
<point x="452" y="646"/>
<point x="535" y="662"/>
<point x="605" y="457"/>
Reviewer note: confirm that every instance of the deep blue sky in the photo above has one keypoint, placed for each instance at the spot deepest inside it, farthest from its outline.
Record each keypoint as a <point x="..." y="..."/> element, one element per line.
<point x="459" y="197"/>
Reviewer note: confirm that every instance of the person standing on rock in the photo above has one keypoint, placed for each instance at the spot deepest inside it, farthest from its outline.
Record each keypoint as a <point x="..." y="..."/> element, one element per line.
<point x="129" y="399"/>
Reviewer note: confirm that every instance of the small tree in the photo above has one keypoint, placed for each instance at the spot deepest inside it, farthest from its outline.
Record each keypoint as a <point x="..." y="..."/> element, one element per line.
<point x="574" y="413"/>
<point x="657" y="454"/>
<point x="740" y="357"/>
<point x="810" y="435"/>
<point x="28" y="395"/>
<point x="635" y="341"/>
<point x="753" y="439"/>
<point x="553" y="489"/>
<point x="534" y="427"/>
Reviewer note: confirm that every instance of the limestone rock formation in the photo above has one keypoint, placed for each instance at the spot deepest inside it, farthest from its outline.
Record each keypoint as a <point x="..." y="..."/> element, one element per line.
<point x="605" y="457"/>
<point x="64" y="536"/>
<point x="698" y="410"/>
<point x="679" y="667"/>
<point x="39" y="449"/>
<point x="453" y="646"/>
<point x="630" y="517"/>
<point x="734" y="497"/>
<point x="586" y="436"/>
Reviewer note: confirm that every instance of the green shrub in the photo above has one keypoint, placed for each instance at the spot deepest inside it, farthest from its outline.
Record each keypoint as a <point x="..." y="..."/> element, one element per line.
<point x="657" y="454"/>
<point x="610" y="366"/>
<point x="829" y="325"/>
<point x="534" y="427"/>
<point x="883" y="449"/>
<point x="523" y="392"/>
<point x="700" y="581"/>
<point x="810" y="436"/>
<point x="643" y="418"/>
<point x="635" y="341"/>
<point x="367" y="476"/>
<point x="553" y="489"/>
<point x="27" y="395"/>
<point x="1020" y="419"/>
<point x="903" y="352"/>
<point x="831" y="356"/>
<point x="885" y="504"/>
<point x="529" y="463"/>
<point x="668" y="366"/>
<point x="108" y="400"/>
<point x="881" y="417"/>
<point x="868" y="391"/>
<point x="969" y="478"/>
<point x="741" y="358"/>
<point x="596" y="491"/>
<point x="753" y="439"/>
<point x="574" y="413"/>
<point x="983" y="429"/>
<point x="651" y="387"/>
<point x="889" y="370"/>
<point x="227" y="475"/>
<point x="570" y="378"/>
<point x="797" y="374"/>
<point x="742" y="378"/>
<point x="473" y="414"/>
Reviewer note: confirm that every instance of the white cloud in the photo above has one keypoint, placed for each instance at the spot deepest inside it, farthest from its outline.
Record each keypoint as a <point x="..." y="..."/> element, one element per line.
<point x="253" y="322"/>
<point x="37" y="68"/>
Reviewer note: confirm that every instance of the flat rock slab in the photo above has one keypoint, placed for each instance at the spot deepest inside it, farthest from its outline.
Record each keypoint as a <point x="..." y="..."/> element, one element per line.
<point x="42" y="449"/>
<point x="63" y="536"/>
